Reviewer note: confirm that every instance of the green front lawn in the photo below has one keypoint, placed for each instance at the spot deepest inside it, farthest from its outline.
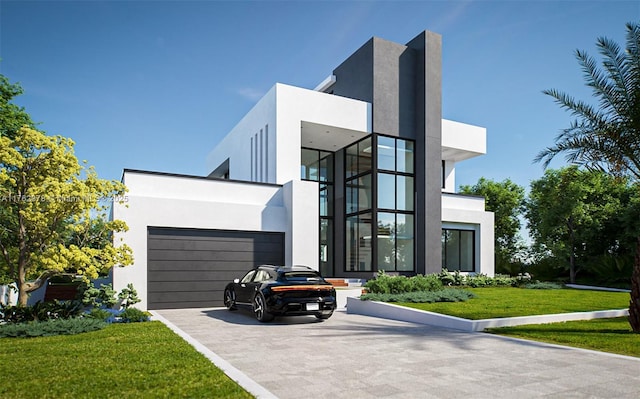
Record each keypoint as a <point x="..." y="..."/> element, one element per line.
<point x="612" y="335"/>
<point x="137" y="360"/>
<point x="608" y="335"/>
<point x="512" y="302"/>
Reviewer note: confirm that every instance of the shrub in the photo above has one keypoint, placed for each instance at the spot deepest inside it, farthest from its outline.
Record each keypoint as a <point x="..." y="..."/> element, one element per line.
<point x="106" y="315"/>
<point x="542" y="285"/>
<point x="430" y="282"/>
<point x="40" y="311"/>
<point x="128" y="315"/>
<point x="380" y="284"/>
<point x="133" y="315"/>
<point x="503" y="280"/>
<point x="104" y="296"/>
<point x="475" y="280"/>
<point x="128" y="296"/>
<point x="386" y="284"/>
<point x="480" y="280"/>
<point x="443" y="295"/>
<point x="51" y="327"/>
<point x="451" y="279"/>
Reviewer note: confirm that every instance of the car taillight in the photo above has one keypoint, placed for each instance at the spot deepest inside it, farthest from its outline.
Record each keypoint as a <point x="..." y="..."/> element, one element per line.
<point x="302" y="288"/>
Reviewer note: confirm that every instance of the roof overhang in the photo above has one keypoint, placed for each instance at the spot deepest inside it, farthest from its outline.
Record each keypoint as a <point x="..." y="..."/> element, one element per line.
<point x="327" y="138"/>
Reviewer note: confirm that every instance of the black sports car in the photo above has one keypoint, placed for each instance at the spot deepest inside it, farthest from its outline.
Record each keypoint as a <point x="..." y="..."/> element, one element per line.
<point x="282" y="290"/>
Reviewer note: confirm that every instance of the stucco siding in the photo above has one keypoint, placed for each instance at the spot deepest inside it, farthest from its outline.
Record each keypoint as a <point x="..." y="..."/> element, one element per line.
<point x="183" y="202"/>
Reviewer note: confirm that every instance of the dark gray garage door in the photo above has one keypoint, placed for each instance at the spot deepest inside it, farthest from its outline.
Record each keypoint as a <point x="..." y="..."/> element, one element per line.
<point x="189" y="268"/>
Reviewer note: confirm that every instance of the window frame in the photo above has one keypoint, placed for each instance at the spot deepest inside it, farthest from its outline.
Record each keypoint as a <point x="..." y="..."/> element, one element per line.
<point x="459" y="249"/>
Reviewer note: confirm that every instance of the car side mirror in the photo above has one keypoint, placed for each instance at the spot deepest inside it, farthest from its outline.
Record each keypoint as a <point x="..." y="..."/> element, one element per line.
<point x="236" y="280"/>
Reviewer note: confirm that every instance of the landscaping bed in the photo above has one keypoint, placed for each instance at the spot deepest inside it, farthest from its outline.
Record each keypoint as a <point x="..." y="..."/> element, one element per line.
<point x="533" y="310"/>
<point x="496" y="302"/>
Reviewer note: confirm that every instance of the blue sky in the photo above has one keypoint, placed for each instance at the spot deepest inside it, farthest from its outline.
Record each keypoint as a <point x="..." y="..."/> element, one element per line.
<point x="154" y="85"/>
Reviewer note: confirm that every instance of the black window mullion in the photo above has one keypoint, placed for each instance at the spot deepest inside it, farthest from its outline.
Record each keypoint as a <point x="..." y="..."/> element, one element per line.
<point x="374" y="202"/>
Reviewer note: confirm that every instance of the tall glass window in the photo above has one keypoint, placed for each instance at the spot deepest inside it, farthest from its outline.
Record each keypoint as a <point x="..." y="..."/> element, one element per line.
<point x="386" y="153"/>
<point x="317" y="165"/>
<point x="359" y="242"/>
<point x="359" y="203"/>
<point x="458" y="250"/>
<point x="395" y="207"/>
<point x="380" y="192"/>
<point x="404" y="242"/>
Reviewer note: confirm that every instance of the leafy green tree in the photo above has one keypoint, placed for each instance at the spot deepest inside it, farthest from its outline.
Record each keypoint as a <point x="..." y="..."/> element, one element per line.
<point x="607" y="136"/>
<point x="53" y="209"/>
<point x="572" y="216"/>
<point x="505" y="199"/>
<point x="12" y="117"/>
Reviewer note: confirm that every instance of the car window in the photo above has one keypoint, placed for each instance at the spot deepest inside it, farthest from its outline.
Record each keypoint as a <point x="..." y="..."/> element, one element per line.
<point x="261" y="276"/>
<point x="247" y="277"/>
<point x="302" y="276"/>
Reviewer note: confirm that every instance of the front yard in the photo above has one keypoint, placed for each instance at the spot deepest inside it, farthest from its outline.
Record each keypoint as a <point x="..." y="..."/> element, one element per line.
<point x="607" y="335"/>
<point x="147" y="360"/>
<point x="137" y="360"/>
<point x="612" y="335"/>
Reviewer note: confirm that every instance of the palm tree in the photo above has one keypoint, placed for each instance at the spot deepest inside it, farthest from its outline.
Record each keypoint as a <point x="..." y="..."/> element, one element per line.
<point x="606" y="137"/>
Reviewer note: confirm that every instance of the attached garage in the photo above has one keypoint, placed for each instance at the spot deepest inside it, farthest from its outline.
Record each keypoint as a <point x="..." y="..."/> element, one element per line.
<point x="189" y="268"/>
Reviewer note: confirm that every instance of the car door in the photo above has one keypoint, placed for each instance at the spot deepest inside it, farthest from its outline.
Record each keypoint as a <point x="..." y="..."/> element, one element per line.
<point x="245" y="288"/>
<point x="260" y="277"/>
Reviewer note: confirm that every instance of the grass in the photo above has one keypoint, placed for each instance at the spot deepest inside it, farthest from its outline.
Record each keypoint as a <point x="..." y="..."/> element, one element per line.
<point x="612" y="335"/>
<point x="512" y="302"/>
<point x="608" y="335"/>
<point x="137" y="360"/>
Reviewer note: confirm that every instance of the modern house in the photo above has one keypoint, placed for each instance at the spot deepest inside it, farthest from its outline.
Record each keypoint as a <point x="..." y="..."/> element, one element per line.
<point x="350" y="178"/>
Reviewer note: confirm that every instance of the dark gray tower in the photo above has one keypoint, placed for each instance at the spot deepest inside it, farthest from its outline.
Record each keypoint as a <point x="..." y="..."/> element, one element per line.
<point x="403" y="84"/>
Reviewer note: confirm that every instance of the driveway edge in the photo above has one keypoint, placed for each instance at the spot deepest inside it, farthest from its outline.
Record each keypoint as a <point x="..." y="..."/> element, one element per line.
<point x="236" y="375"/>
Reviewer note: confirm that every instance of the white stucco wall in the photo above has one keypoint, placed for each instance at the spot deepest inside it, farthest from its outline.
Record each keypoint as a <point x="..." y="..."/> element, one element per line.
<point x="296" y="105"/>
<point x="449" y="177"/>
<point x="462" y="140"/>
<point x="283" y="109"/>
<point x="236" y="145"/>
<point x="467" y="213"/>
<point x="302" y="204"/>
<point x="185" y="202"/>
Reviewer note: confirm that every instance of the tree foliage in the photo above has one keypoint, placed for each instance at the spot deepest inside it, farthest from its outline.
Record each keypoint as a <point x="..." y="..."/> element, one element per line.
<point x="606" y="137"/>
<point x="53" y="214"/>
<point x="12" y="117"/>
<point x="505" y="199"/>
<point x="574" y="216"/>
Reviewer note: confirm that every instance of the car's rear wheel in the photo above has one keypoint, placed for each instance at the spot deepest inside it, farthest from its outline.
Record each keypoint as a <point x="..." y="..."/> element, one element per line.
<point x="260" y="308"/>
<point x="230" y="299"/>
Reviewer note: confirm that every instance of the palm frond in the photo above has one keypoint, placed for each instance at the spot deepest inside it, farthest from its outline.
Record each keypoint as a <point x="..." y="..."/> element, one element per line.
<point x="617" y="66"/>
<point x="633" y="50"/>
<point x="578" y="109"/>
<point x="606" y="137"/>
<point x="604" y="88"/>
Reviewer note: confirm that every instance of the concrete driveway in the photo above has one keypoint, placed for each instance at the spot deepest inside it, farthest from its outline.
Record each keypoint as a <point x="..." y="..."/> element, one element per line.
<point x="353" y="356"/>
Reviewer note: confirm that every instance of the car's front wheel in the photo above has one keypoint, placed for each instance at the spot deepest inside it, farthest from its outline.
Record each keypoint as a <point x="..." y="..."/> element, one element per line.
<point x="230" y="299"/>
<point x="260" y="308"/>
